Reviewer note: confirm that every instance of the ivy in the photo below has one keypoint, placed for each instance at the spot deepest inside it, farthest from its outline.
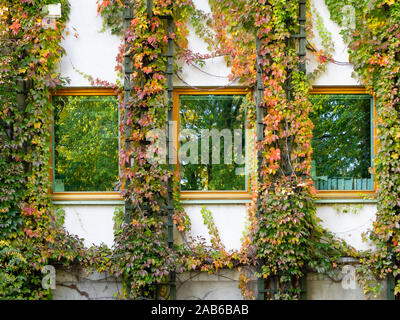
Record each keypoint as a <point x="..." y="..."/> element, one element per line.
<point x="141" y="254"/>
<point x="30" y="235"/>
<point x="374" y="49"/>
<point x="288" y="237"/>
<point x="286" y="234"/>
<point x="284" y="237"/>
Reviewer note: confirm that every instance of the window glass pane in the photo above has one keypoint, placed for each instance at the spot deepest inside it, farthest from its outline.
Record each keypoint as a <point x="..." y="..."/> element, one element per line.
<point x="341" y="142"/>
<point x="212" y="142"/>
<point x="86" y="143"/>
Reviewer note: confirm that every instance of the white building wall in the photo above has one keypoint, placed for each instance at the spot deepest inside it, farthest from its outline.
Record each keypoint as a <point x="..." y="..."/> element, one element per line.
<point x="348" y="222"/>
<point x="91" y="51"/>
<point x="336" y="74"/>
<point x="93" y="223"/>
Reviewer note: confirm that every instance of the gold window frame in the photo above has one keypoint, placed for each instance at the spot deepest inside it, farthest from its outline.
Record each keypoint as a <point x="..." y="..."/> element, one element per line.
<point x="349" y="194"/>
<point x="81" y="195"/>
<point x="205" y="195"/>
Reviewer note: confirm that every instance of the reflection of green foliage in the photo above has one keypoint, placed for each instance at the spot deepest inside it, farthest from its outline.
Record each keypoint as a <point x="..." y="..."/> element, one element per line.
<point x="342" y="135"/>
<point x="118" y="219"/>
<point x="218" y="112"/>
<point x="86" y="142"/>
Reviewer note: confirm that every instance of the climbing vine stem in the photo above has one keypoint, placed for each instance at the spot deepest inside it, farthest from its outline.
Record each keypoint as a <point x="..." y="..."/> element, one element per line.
<point x="284" y="236"/>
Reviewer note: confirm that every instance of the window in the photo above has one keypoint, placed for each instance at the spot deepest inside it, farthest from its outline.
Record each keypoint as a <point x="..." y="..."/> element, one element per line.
<point x="343" y="140"/>
<point x="212" y="143"/>
<point x="85" y="142"/>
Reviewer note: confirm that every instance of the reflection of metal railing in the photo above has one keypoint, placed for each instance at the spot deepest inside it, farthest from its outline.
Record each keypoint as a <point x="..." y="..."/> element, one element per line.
<point x="341" y="183"/>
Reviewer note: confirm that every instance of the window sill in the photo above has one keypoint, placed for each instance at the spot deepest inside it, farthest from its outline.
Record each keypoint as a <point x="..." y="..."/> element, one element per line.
<point x="215" y="195"/>
<point x="86" y="196"/>
<point x="342" y="194"/>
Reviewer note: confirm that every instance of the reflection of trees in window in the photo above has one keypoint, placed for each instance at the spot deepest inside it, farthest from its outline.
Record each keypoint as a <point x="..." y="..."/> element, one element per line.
<point x="223" y="114"/>
<point x="342" y="142"/>
<point x="86" y="143"/>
